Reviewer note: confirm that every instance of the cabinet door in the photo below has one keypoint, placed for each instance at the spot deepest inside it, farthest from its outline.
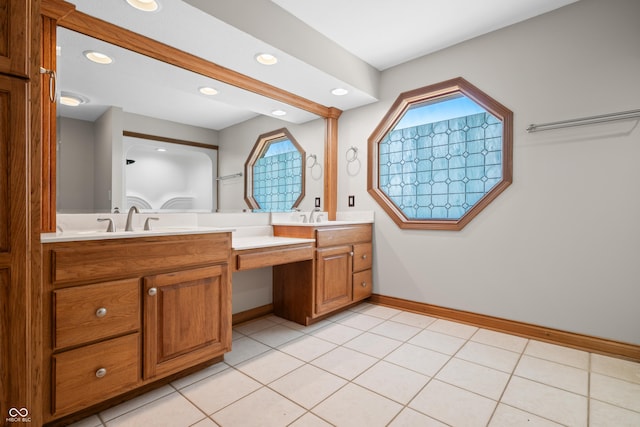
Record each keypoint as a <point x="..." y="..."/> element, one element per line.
<point x="187" y="319"/>
<point x="333" y="278"/>
<point x="14" y="37"/>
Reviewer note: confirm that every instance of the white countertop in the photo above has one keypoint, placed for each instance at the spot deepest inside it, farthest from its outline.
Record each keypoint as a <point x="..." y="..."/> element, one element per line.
<point x="83" y="235"/>
<point x="253" y="242"/>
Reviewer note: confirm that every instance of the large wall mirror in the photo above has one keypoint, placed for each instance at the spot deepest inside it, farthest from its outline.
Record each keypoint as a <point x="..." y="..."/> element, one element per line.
<point x="137" y="94"/>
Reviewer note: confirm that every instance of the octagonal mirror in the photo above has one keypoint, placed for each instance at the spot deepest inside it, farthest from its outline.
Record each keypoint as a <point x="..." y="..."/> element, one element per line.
<point x="275" y="173"/>
<point x="440" y="155"/>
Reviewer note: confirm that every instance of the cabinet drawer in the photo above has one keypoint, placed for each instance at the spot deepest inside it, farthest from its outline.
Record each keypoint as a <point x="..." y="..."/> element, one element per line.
<point x="346" y="235"/>
<point x="362" y="256"/>
<point x="91" y="374"/>
<point x="90" y="261"/>
<point x="92" y="312"/>
<point x="362" y="285"/>
<point x="246" y="260"/>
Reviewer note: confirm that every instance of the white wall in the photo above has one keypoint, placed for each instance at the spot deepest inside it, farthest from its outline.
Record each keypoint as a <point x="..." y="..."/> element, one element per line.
<point x="75" y="166"/>
<point x="560" y="247"/>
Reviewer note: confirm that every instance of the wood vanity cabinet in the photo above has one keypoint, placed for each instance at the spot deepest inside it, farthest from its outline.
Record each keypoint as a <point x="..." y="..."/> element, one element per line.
<point x="127" y="312"/>
<point x="14" y="37"/>
<point x="338" y="276"/>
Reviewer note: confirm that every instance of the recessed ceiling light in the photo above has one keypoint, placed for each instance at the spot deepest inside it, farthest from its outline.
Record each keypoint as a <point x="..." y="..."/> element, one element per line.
<point x="339" y="91"/>
<point x="144" y="5"/>
<point x="208" y="90"/>
<point x="162" y="150"/>
<point x="279" y="113"/>
<point x="72" y="100"/>
<point x="266" y="59"/>
<point x="97" y="57"/>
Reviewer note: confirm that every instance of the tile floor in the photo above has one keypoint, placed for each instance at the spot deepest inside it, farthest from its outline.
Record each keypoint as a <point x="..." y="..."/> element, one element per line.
<point x="377" y="366"/>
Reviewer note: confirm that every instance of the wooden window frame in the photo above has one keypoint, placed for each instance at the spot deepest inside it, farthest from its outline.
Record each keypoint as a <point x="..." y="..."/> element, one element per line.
<point x="396" y="112"/>
<point x="258" y="149"/>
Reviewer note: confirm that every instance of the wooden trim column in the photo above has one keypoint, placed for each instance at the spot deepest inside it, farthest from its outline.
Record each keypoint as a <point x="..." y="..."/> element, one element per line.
<point x="331" y="163"/>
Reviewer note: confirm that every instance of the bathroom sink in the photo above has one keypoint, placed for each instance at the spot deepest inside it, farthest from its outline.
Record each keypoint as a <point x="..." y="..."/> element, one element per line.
<point x="72" y="235"/>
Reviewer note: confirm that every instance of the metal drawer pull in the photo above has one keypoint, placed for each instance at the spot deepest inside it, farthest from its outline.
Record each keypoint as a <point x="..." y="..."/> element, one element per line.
<point x="101" y="372"/>
<point x="101" y="312"/>
<point x="152" y="291"/>
<point x="351" y="253"/>
<point x="363" y="284"/>
<point x="364" y="256"/>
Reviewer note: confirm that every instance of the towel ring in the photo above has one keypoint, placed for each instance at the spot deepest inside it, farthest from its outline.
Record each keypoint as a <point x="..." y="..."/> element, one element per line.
<point x="353" y="157"/>
<point x="315" y="160"/>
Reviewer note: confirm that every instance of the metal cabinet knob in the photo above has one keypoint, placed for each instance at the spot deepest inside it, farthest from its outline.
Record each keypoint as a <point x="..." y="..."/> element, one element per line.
<point x="152" y="291"/>
<point x="364" y="256"/>
<point x="101" y="312"/>
<point x="101" y="372"/>
<point x="351" y="253"/>
<point x="363" y="284"/>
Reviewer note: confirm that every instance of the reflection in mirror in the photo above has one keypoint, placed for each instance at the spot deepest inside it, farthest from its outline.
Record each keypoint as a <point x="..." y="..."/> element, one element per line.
<point x="147" y="96"/>
<point x="275" y="173"/>
<point x="168" y="176"/>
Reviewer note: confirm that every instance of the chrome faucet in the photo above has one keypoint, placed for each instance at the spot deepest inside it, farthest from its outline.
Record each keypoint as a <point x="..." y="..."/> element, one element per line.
<point x="110" y="227"/>
<point x="129" y="226"/>
<point x="311" y="213"/>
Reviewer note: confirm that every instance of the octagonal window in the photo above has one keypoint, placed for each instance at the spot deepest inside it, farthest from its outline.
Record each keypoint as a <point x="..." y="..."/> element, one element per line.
<point x="274" y="173"/>
<point x="440" y="155"/>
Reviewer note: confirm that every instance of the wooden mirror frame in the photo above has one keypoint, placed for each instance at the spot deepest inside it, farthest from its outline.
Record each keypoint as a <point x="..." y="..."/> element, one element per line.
<point x="64" y="14"/>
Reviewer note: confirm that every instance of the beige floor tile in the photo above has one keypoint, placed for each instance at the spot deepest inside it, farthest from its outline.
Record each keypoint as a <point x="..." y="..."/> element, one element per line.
<point x="307" y="386"/>
<point x="453" y="405"/>
<point x="254" y="326"/>
<point x="559" y="354"/>
<point x="414" y="319"/>
<point x="410" y="418"/>
<point x="197" y="376"/>
<point x="379" y="311"/>
<point x="215" y="392"/>
<point x="172" y="410"/>
<point x="136" y="402"/>
<point x="604" y="415"/>
<point x="618" y="368"/>
<point x="345" y="362"/>
<point x="336" y="333"/>
<point x="244" y="349"/>
<point x="501" y="340"/>
<point x="236" y="335"/>
<point x="373" y="345"/>
<point x="617" y="392"/>
<point x="269" y="366"/>
<point x="310" y="420"/>
<point x="307" y="347"/>
<point x="476" y="378"/>
<point x="395" y="330"/>
<point x="315" y="326"/>
<point x="554" y="374"/>
<point x="207" y="422"/>
<point x="418" y="359"/>
<point x="453" y="328"/>
<point x="392" y="381"/>
<point x="277" y="335"/>
<point x="443" y="343"/>
<point x="508" y="416"/>
<point x="354" y="406"/>
<point x="361" y="321"/>
<point x="264" y="408"/>
<point x="487" y="355"/>
<point x="547" y="402"/>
